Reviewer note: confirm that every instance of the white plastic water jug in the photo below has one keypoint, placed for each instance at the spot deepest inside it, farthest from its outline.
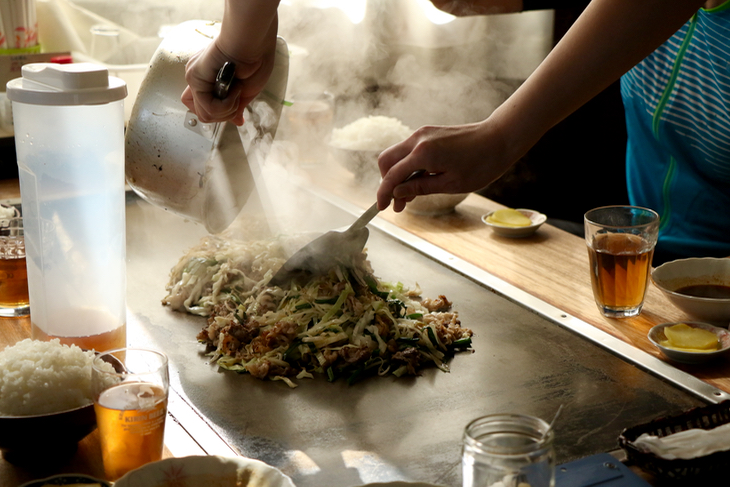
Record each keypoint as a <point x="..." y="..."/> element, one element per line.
<point x="69" y="136"/>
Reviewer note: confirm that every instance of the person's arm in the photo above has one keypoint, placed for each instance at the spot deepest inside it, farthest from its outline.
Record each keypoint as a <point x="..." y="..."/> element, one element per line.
<point x="463" y="8"/>
<point x="248" y="39"/>
<point x="608" y="39"/>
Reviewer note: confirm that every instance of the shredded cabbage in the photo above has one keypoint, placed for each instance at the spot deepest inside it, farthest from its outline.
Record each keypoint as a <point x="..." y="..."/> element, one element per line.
<point x="346" y="324"/>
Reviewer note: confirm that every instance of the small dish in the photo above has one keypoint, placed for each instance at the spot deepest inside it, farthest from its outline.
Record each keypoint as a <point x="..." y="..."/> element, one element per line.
<point x="68" y="479"/>
<point x="518" y="232"/>
<point x="656" y="335"/>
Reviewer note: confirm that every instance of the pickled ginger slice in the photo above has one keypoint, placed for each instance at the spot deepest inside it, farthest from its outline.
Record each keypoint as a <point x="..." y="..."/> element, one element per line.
<point x="508" y="217"/>
<point x="684" y="337"/>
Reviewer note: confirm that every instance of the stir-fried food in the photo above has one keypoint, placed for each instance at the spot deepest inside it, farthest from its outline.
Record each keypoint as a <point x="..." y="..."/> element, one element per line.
<point x="346" y="324"/>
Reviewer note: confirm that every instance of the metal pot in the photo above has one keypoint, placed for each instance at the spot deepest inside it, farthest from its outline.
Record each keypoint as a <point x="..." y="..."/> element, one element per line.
<point x="197" y="170"/>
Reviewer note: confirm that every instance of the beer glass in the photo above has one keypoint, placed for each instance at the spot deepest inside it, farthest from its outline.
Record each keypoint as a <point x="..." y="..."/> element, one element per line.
<point x="508" y="450"/>
<point x="621" y="241"/>
<point x="13" y="272"/>
<point x="130" y="401"/>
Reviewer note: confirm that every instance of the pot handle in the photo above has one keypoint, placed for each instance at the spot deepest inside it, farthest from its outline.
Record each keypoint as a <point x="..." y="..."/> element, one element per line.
<point x="223" y="80"/>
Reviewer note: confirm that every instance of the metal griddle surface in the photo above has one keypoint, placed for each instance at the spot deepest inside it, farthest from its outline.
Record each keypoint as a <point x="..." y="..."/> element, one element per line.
<point x="385" y="429"/>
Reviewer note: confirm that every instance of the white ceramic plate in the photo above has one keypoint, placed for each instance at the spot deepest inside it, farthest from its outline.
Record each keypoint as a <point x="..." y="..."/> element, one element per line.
<point x="536" y="217"/>
<point x="656" y="335"/>
<point x="206" y="471"/>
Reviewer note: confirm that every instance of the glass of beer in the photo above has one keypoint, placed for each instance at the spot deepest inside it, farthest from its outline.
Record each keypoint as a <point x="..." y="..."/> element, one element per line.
<point x="621" y="241"/>
<point x="130" y="401"/>
<point x="13" y="272"/>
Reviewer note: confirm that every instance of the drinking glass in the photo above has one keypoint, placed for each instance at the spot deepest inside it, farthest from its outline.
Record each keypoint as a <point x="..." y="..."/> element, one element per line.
<point x="130" y="400"/>
<point x="621" y="241"/>
<point x="105" y="42"/>
<point x="310" y="118"/>
<point x="13" y="272"/>
<point x="508" y="450"/>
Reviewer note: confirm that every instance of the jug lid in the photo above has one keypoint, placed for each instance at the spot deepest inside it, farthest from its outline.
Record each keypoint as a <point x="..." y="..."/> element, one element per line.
<point x="66" y="84"/>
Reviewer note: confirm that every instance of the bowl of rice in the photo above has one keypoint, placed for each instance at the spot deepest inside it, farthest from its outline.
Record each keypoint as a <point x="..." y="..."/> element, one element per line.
<point x="356" y="146"/>
<point x="46" y="402"/>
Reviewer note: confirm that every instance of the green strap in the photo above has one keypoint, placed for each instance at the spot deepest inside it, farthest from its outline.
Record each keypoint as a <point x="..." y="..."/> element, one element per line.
<point x="673" y="78"/>
<point x="666" y="200"/>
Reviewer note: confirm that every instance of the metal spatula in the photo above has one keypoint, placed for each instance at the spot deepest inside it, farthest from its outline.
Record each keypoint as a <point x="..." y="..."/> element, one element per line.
<point x="334" y="247"/>
<point x="322" y="253"/>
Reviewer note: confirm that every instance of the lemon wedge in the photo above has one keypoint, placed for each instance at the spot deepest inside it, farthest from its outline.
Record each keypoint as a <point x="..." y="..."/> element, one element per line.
<point x="685" y="337"/>
<point x="508" y="217"/>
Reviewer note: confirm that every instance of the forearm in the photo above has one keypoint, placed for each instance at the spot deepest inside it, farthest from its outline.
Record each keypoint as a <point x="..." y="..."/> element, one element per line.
<point x="464" y="8"/>
<point x="246" y="24"/>
<point x="608" y="39"/>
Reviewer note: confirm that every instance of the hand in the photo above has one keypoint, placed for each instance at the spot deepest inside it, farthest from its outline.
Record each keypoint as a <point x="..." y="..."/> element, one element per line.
<point x="457" y="159"/>
<point x="248" y="39"/>
<point x="464" y="8"/>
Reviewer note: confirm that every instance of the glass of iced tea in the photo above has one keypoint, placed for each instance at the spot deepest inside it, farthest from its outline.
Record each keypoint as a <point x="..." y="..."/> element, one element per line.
<point x="621" y="241"/>
<point x="13" y="272"/>
<point x="130" y="400"/>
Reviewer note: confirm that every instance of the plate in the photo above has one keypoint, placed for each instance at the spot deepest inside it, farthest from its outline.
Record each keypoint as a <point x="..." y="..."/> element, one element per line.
<point x="67" y="479"/>
<point x="656" y="334"/>
<point x="536" y="217"/>
<point x="209" y="470"/>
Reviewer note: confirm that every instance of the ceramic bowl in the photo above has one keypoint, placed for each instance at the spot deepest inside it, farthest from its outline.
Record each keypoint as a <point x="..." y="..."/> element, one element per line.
<point x="656" y="335"/>
<point x="674" y="275"/>
<point x="362" y="163"/>
<point x="55" y="435"/>
<point x="518" y="232"/>
<point x="208" y="470"/>
<point x="435" y="204"/>
<point x="68" y="479"/>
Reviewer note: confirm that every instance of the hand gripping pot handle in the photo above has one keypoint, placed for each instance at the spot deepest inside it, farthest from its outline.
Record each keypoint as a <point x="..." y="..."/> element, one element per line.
<point x="201" y="172"/>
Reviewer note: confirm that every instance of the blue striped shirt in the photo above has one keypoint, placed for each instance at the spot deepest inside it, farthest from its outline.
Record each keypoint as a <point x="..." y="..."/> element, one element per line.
<point x="677" y="103"/>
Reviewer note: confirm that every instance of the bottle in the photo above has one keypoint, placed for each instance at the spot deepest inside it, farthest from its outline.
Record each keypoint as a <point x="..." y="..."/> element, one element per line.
<point x="69" y="137"/>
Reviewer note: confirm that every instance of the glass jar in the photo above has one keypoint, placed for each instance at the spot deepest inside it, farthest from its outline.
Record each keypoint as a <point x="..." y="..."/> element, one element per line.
<point x="508" y="450"/>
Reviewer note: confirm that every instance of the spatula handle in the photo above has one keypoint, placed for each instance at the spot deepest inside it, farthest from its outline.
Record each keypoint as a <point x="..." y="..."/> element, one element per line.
<point x="373" y="210"/>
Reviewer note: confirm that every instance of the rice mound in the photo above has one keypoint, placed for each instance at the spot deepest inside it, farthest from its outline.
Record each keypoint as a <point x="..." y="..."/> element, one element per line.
<point x="372" y="133"/>
<point x="39" y="377"/>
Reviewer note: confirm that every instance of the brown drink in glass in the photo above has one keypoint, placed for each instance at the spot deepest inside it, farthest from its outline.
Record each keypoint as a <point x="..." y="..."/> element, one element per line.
<point x="13" y="271"/>
<point x="621" y="242"/>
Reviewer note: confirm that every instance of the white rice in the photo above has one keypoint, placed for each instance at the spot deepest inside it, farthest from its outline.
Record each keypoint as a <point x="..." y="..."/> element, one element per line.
<point x="38" y="377"/>
<point x="372" y="133"/>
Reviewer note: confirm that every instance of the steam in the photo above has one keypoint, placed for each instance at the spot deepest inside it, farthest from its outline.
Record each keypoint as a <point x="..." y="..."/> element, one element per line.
<point x="394" y="63"/>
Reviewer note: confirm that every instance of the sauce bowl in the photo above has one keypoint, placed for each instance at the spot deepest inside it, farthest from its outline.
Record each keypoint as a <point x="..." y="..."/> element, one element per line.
<point x="677" y="274"/>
